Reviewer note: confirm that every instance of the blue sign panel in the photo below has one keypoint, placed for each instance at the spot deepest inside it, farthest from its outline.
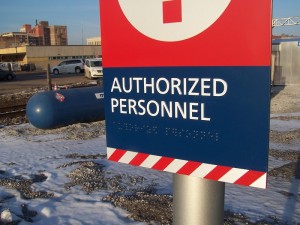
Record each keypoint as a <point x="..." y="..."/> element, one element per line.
<point x="215" y="115"/>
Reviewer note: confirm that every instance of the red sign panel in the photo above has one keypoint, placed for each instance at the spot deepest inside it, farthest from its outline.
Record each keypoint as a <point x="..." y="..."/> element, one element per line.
<point x="233" y="39"/>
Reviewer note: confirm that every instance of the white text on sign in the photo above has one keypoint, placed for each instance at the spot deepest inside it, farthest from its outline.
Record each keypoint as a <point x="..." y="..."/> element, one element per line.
<point x="202" y="87"/>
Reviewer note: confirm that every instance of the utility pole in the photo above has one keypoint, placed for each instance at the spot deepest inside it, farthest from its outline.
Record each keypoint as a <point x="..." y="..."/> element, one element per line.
<point x="49" y="82"/>
<point x="16" y="54"/>
<point x="81" y="34"/>
<point x="16" y="46"/>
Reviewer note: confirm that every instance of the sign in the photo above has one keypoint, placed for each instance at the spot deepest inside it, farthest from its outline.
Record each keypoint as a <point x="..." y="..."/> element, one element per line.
<point x="187" y="86"/>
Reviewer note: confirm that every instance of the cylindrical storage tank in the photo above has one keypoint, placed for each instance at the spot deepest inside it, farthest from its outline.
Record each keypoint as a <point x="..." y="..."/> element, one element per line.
<point x="52" y="109"/>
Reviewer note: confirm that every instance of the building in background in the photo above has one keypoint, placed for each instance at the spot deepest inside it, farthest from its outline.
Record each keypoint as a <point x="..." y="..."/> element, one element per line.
<point x="41" y="56"/>
<point x="14" y="39"/>
<point x="58" y="35"/>
<point x="286" y="61"/>
<point x="40" y="32"/>
<point x="40" y="35"/>
<point x="43" y="44"/>
<point x="93" y="41"/>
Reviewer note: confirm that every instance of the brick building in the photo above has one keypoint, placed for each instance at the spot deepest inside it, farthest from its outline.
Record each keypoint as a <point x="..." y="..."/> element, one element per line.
<point x="40" y="35"/>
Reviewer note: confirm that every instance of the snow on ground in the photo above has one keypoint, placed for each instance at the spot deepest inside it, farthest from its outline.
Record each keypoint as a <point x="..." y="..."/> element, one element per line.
<point x="45" y="154"/>
<point x="26" y="155"/>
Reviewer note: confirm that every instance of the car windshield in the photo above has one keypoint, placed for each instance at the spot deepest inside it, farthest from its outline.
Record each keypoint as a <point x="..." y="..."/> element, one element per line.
<point x="62" y="64"/>
<point x="96" y="63"/>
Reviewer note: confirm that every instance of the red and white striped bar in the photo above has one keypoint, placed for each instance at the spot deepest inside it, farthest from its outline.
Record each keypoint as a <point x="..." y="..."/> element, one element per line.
<point x="226" y="174"/>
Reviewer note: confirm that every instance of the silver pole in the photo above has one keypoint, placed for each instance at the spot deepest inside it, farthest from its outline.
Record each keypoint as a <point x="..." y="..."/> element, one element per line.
<point x="197" y="201"/>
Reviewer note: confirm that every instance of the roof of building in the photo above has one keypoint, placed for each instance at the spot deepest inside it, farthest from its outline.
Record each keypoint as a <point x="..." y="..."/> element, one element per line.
<point x="277" y="41"/>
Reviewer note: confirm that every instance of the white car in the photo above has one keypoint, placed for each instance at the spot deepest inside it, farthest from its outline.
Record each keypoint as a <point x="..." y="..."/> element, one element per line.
<point x="69" y="66"/>
<point x="93" y="68"/>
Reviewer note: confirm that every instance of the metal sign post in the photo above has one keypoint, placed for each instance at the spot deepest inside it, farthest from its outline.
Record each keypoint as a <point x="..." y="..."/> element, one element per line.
<point x="197" y="201"/>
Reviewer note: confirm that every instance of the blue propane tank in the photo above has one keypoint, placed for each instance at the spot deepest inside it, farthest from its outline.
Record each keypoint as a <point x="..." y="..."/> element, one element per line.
<point x="52" y="109"/>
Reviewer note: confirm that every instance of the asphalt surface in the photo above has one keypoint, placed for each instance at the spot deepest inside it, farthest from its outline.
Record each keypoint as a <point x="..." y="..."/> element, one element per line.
<point x="38" y="79"/>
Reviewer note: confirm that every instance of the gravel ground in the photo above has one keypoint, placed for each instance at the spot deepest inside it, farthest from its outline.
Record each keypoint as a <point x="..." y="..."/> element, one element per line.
<point x="285" y="99"/>
<point x="143" y="204"/>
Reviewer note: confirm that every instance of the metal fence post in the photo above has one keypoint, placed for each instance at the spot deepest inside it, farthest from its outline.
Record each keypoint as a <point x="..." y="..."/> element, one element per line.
<point x="49" y="83"/>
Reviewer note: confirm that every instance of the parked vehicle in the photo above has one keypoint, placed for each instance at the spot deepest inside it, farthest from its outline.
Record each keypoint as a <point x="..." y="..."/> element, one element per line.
<point x="69" y="66"/>
<point x="7" y="75"/>
<point x="7" y="66"/>
<point x="93" y="68"/>
<point x="28" y="67"/>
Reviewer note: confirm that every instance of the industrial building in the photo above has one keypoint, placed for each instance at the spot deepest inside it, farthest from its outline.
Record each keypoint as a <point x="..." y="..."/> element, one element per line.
<point x="93" y="41"/>
<point x="286" y="62"/>
<point x="41" y="56"/>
